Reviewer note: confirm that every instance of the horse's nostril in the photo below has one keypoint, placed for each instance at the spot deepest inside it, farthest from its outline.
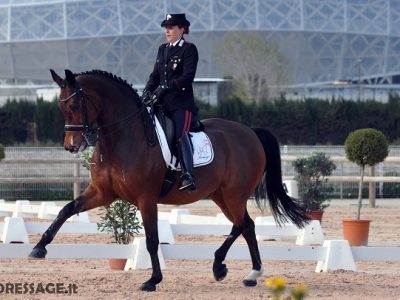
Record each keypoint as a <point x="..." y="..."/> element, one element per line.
<point x="71" y="149"/>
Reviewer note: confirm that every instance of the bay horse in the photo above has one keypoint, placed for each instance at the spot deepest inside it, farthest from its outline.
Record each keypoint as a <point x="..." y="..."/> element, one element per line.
<point x="102" y="109"/>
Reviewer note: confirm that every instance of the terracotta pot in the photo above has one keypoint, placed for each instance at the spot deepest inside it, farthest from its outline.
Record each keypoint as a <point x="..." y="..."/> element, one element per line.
<point x="315" y="215"/>
<point x="117" y="263"/>
<point x="356" y="232"/>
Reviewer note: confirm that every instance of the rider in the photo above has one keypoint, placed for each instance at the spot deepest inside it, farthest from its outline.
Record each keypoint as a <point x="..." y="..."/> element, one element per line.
<point x="170" y="83"/>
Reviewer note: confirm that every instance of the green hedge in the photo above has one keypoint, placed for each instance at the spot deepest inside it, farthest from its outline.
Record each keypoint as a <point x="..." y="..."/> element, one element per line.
<point x="307" y="122"/>
<point x="313" y="121"/>
<point x="16" y="116"/>
<point x="2" y="152"/>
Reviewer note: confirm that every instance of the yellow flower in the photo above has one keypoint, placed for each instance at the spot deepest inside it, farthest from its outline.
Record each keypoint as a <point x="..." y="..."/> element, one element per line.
<point x="276" y="284"/>
<point x="299" y="292"/>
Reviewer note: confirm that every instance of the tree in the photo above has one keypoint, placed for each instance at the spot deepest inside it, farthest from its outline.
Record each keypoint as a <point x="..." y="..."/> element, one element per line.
<point x="256" y="65"/>
<point x="48" y="113"/>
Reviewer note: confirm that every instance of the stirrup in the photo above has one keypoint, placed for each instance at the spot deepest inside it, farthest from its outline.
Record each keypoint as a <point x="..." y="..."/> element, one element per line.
<point x="186" y="182"/>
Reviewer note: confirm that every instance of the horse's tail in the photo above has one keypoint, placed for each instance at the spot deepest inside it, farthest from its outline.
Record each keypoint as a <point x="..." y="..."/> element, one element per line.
<point x="282" y="206"/>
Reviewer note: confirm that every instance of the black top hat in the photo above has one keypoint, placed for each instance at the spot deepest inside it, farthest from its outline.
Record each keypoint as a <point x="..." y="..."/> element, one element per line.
<point x="175" y="19"/>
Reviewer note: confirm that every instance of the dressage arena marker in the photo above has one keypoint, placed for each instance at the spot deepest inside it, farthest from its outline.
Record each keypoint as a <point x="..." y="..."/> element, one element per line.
<point x="14" y="231"/>
<point x="338" y="254"/>
<point x="141" y="258"/>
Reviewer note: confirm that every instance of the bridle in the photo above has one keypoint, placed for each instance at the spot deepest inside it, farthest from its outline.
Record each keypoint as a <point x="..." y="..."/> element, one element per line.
<point x="91" y="133"/>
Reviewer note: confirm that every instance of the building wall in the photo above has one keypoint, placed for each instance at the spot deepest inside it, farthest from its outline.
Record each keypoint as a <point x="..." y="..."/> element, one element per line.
<point x="323" y="40"/>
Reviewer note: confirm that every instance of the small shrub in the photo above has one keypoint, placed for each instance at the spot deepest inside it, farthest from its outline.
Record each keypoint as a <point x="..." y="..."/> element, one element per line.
<point x="312" y="182"/>
<point x="121" y="220"/>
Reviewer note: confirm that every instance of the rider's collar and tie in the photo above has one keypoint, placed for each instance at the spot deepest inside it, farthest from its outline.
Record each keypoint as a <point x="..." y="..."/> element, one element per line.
<point x="180" y="41"/>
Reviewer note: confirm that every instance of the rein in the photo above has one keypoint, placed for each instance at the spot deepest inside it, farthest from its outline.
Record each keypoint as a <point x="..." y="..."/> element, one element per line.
<point x="91" y="133"/>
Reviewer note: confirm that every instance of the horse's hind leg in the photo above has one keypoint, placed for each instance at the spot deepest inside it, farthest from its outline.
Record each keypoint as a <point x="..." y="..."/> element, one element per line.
<point x="219" y="269"/>
<point x="80" y="204"/>
<point x="250" y="237"/>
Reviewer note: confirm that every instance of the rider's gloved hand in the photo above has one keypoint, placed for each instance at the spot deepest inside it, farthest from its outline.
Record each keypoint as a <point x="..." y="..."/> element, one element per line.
<point x="159" y="93"/>
<point x="145" y="98"/>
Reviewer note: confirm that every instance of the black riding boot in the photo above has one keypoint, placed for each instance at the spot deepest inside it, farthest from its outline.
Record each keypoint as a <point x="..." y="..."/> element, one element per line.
<point x="186" y="181"/>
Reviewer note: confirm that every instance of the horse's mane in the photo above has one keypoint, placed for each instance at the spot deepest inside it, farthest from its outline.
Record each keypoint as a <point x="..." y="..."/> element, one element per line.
<point x="111" y="76"/>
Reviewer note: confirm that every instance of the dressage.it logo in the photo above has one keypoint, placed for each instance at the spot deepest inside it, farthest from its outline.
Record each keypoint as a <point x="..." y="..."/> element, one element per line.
<point x="38" y="288"/>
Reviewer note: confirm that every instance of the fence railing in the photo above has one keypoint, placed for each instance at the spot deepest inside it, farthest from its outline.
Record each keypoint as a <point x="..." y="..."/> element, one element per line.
<point x="76" y="177"/>
<point x="19" y="173"/>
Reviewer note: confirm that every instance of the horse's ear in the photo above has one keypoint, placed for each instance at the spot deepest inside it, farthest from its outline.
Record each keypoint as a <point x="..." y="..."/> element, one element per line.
<point x="70" y="77"/>
<point x="57" y="79"/>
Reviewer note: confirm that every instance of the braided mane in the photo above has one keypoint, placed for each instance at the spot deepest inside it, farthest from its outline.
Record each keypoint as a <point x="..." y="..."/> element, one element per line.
<point x="110" y="76"/>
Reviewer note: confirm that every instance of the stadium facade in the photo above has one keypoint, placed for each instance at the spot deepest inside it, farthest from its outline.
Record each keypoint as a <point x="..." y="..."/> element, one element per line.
<point x="327" y="42"/>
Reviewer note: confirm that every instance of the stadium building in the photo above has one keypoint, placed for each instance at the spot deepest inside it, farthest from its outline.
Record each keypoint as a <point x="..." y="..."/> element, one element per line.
<point x="346" y="48"/>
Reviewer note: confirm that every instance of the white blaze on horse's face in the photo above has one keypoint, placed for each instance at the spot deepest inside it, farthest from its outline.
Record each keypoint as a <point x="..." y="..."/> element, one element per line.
<point x="74" y="141"/>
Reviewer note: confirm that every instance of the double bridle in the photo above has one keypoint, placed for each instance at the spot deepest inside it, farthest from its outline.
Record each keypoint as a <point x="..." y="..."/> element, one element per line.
<point x="89" y="132"/>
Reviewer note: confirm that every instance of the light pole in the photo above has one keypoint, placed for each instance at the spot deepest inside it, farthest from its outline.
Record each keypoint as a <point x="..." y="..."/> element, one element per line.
<point x="359" y="61"/>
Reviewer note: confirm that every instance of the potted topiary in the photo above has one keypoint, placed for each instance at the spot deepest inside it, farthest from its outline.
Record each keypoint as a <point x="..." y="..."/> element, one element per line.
<point x="311" y="173"/>
<point x="364" y="147"/>
<point x="120" y="218"/>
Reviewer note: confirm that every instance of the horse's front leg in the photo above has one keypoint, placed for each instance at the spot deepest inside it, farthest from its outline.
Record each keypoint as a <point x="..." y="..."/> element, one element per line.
<point x="73" y="207"/>
<point x="149" y="216"/>
<point x="90" y="199"/>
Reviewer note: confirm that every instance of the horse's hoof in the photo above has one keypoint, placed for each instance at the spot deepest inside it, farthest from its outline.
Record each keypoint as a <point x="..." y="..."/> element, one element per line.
<point x="147" y="287"/>
<point x="38" y="253"/>
<point x="220" y="272"/>
<point x="248" y="282"/>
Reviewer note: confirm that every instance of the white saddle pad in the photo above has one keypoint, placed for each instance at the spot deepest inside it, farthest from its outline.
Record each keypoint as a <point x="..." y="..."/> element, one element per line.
<point x="203" y="153"/>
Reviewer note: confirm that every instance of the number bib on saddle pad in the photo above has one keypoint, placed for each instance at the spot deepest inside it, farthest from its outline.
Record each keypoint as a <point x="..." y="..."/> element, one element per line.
<point x="203" y="153"/>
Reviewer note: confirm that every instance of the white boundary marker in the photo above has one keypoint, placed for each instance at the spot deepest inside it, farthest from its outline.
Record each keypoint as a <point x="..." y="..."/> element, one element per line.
<point x="14" y="231"/>
<point x="338" y="256"/>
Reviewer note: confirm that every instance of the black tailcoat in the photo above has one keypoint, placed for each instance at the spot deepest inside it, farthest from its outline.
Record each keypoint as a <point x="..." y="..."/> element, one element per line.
<point x="176" y="67"/>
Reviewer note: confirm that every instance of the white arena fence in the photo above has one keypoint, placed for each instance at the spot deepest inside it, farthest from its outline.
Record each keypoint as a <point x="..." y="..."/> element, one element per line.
<point x="41" y="173"/>
<point x="170" y="224"/>
<point x="46" y="210"/>
<point x="332" y="255"/>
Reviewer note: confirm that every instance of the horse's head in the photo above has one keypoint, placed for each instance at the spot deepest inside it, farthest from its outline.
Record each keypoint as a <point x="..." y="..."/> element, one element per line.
<point x="79" y="113"/>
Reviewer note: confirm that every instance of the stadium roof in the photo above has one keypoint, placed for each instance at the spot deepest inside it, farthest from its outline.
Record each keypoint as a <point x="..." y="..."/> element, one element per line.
<point x="324" y="40"/>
